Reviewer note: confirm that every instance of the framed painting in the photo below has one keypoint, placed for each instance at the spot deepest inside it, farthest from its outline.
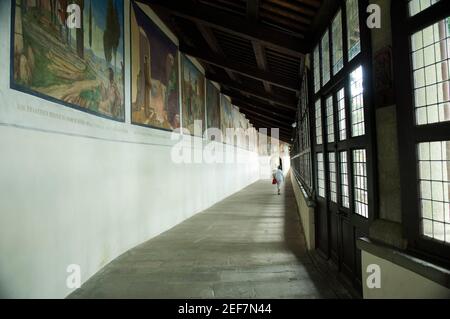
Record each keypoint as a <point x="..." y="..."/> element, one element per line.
<point x="154" y="74"/>
<point x="83" y="67"/>
<point x="226" y="117"/>
<point x="193" y="95"/>
<point x="212" y="106"/>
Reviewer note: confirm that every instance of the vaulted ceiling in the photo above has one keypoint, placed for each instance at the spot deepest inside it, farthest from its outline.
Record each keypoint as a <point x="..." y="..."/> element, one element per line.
<point x="255" y="49"/>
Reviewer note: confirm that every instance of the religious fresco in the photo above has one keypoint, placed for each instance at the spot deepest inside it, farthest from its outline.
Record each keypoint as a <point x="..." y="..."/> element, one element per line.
<point x="83" y="67"/>
<point x="212" y="106"/>
<point x="236" y="118"/>
<point x="226" y="113"/>
<point x="154" y="75"/>
<point x="193" y="95"/>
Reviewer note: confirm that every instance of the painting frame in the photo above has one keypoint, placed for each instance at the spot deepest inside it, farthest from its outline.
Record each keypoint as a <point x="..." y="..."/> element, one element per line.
<point x="45" y="97"/>
<point x="153" y="24"/>
<point x="186" y="60"/>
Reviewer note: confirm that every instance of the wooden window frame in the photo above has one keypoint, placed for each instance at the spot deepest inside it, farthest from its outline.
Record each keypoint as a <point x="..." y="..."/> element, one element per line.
<point x="367" y="141"/>
<point x="410" y="134"/>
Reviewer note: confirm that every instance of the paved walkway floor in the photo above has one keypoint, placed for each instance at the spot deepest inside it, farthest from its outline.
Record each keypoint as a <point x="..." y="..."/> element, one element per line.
<point x="250" y="245"/>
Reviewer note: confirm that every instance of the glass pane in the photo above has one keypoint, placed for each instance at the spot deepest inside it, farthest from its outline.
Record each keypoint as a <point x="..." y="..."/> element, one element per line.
<point x="353" y="35"/>
<point x="330" y="120"/>
<point x="417" y="6"/>
<point x="319" y="139"/>
<point x="431" y="73"/>
<point x="326" y="58"/>
<point x="342" y="115"/>
<point x="316" y="69"/>
<point x="338" y="54"/>
<point x="357" y="102"/>
<point x="321" y="175"/>
<point x="434" y="181"/>
<point x="360" y="183"/>
<point x="333" y="176"/>
<point x="345" y="194"/>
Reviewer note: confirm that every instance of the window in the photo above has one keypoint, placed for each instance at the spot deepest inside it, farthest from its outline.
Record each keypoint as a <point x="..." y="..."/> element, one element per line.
<point x="345" y="192"/>
<point x="320" y="175"/>
<point x="326" y="58"/>
<point x="316" y="69"/>
<point x="301" y="153"/>
<point x="330" y="120"/>
<point x="319" y="137"/>
<point x="360" y="183"/>
<point x="338" y="54"/>
<point x="342" y="115"/>
<point x="353" y="31"/>
<point x="417" y="6"/>
<point x="333" y="176"/>
<point x="431" y="72"/>
<point x="423" y="97"/>
<point x="357" y="102"/>
<point x="434" y="176"/>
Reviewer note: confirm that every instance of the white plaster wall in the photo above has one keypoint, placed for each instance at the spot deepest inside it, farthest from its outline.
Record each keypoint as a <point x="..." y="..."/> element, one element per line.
<point x="400" y="283"/>
<point x="79" y="189"/>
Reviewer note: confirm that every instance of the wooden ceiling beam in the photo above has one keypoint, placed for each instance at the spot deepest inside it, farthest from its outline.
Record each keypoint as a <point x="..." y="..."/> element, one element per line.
<point x="254" y="113"/>
<point x="264" y="124"/>
<point x="240" y="68"/>
<point x="279" y="102"/>
<point x="262" y="105"/>
<point x="281" y="41"/>
<point x="211" y="40"/>
<point x="261" y="60"/>
<point x="253" y="109"/>
<point x="291" y="6"/>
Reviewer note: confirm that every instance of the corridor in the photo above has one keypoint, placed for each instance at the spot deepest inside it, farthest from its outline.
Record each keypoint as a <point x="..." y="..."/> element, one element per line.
<point x="250" y="245"/>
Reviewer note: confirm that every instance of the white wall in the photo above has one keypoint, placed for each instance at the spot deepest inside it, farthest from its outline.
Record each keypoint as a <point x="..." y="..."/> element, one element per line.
<point x="79" y="189"/>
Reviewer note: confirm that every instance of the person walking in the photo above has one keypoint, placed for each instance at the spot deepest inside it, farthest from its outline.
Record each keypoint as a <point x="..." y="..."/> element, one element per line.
<point x="279" y="178"/>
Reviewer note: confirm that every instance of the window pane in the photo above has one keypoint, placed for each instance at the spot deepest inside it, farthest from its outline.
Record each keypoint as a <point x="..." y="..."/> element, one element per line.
<point x="360" y="183"/>
<point x="330" y="120"/>
<point x="333" y="176"/>
<point x="325" y="58"/>
<point x="431" y="69"/>
<point x="316" y="69"/>
<point x="321" y="175"/>
<point x="353" y="36"/>
<point x="338" y="54"/>
<point x="434" y="179"/>
<point x="342" y="115"/>
<point x="357" y="102"/>
<point x="417" y="6"/>
<point x="319" y="139"/>
<point x="345" y="194"/>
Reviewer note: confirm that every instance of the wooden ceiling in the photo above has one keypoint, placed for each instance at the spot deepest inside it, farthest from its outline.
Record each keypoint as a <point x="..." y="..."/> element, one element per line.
<point x="255" y="49"/>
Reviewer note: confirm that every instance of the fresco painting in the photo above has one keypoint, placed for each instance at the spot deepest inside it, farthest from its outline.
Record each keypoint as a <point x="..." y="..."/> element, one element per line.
<point x="154" y="64"/>
<point x="212" y="105"/>
<point x="193" y="95"/>
<point x="81" y="68"/>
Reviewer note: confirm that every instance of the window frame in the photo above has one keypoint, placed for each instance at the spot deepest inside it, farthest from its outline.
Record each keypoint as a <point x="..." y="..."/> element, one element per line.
<point x="301" y="154"/>
<point x="410" y="134"/>
<point x="339" y="81"/>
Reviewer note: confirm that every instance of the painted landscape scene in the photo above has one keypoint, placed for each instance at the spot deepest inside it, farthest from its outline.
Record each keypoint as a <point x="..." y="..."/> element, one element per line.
<point x="78" y="67"/>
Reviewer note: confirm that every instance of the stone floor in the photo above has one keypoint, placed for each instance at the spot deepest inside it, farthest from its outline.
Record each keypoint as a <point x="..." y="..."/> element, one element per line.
<point x="250" y="245"/>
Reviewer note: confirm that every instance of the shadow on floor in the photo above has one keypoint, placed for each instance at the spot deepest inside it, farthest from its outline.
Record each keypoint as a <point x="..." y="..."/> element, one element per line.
<point x="250" y="245"/>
